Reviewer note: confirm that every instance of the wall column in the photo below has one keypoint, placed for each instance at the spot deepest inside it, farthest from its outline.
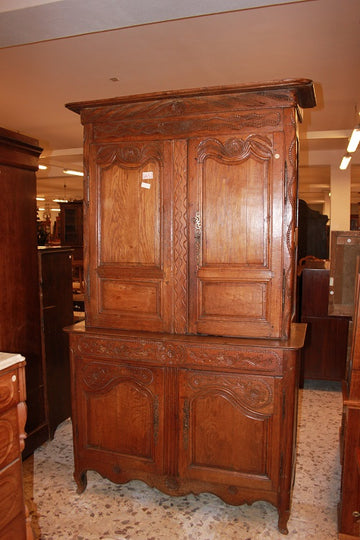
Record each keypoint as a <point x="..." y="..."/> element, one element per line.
<point x="340" y="183"/>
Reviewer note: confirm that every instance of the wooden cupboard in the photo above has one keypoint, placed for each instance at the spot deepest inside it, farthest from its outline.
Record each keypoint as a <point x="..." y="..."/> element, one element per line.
<point x="14" y="523"/>
<point x="190" y="233"/>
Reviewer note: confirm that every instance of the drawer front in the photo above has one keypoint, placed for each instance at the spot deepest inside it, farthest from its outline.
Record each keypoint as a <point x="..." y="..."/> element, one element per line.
<point x="11" y="494"/>
<point x="9" y="389"/>
<point x="9" y="437"/>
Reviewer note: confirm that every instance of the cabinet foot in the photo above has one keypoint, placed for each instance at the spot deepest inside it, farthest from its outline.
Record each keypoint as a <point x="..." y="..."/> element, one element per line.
<point x="81" y="481"/>
<point x="282" y="523"/>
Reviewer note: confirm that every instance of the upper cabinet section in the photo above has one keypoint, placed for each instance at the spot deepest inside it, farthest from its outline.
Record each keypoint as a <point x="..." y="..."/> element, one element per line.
<point x="190" y="209"/>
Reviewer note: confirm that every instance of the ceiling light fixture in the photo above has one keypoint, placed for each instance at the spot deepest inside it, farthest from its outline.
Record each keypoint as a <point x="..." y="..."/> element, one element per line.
<point x="345" y="162"/>
<point x="42" y="167"/>
<point x="40" y="198"/>
<point x="73" y="173"/>
<point x="354" y="140"/>
<point x="60" y="200"/>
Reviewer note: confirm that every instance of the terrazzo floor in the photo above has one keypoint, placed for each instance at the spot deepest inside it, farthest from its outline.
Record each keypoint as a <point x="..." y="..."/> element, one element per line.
<point x="106" y="511"/>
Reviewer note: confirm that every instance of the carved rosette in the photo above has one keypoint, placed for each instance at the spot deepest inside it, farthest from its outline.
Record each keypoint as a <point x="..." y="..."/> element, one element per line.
<point x="171" y="353"/>
<point x="246" y="392"/>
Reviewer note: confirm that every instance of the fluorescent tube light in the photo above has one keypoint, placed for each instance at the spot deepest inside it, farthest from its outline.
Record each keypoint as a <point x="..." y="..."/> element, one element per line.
<point x="60" y="200"/>
<point x="73" y="173"/>
<point x="345" y="162"/>
<point x="354" y="140"/>
<point x="40" y="198"/>
<point x="42" y="167"/>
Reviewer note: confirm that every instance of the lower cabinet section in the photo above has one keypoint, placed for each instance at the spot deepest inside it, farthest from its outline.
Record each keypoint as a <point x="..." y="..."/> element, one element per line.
<point x="187" y="414"/>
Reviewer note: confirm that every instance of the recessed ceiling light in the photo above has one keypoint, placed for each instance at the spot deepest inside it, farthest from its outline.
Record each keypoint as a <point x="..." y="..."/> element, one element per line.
<point x="73" y="173"/>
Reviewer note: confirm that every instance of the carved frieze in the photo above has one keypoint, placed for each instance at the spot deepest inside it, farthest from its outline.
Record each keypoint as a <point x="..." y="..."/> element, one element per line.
<point x="244" y="359"/>
<point x="180" y="127"/>
<point x="182" y="353"/>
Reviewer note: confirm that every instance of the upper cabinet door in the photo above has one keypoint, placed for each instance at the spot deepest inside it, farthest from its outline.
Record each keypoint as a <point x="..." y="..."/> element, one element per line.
<point x="236" y="212"/>
<point x="129" y="251"/>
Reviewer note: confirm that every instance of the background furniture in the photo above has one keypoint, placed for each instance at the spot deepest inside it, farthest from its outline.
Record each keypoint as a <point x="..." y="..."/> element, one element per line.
<point x="349" y="507"/>
<point x="55" y="266"/>
<point x="13" y="521"/>
<point x="345" y="250"/>
<point x="325" y="349"/>
<point x="20" y="330"/>
<point x="71" y="235"/>
<point x="190" y="217"/>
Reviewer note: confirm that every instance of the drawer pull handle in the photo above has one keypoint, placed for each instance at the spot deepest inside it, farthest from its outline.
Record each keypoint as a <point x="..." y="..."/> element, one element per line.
<point x="356" y="515"/>
<point x="13" y="378"/>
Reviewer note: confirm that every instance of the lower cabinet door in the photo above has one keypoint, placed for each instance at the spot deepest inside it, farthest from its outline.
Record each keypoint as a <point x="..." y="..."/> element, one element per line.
<point x="121" y="412"/>
<point x="230" y="429"/>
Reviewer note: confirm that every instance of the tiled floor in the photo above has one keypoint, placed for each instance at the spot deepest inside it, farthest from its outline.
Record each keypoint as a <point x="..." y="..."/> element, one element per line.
<point x="137" y="512"/>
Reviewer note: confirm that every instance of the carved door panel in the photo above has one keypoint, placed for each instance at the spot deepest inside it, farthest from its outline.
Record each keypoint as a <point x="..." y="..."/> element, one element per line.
<point x="121" y="407"/>
<point x="129" y="227"/>
<point x="236" y="210"/>
<point x="230" y="429"/>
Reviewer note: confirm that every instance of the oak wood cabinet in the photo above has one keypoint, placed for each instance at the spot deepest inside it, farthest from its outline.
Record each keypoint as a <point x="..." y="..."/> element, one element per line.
<point x="186" y="370"/>
<point x="14" y="524"/>
<point x="187" y="414"/>
<point x="349" y="506"/>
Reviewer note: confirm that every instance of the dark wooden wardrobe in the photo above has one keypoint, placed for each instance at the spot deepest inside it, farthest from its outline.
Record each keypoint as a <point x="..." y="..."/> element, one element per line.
<point x="20" y="325"/>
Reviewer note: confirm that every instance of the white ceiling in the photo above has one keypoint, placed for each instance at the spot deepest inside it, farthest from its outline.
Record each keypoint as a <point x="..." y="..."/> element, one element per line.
<point x="55" y="52"/>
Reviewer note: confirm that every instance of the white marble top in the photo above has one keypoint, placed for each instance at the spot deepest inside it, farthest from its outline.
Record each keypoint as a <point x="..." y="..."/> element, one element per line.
<point x="9" y="359"/>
